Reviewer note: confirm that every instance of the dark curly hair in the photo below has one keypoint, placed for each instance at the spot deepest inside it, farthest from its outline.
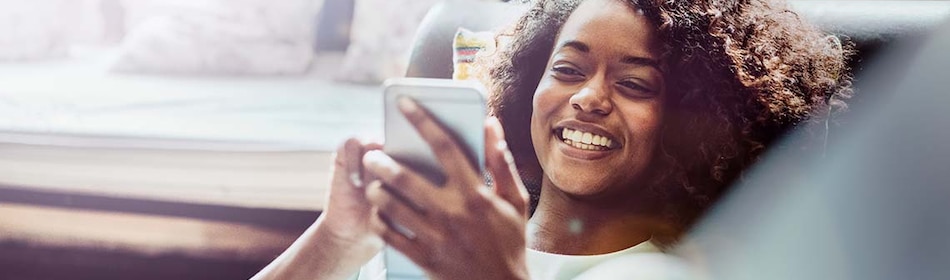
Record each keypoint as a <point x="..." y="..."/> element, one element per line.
<point x="740" y="73"/>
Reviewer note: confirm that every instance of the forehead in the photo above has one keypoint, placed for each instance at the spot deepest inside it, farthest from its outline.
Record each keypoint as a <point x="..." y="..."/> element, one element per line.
<point x="611" y="25"/>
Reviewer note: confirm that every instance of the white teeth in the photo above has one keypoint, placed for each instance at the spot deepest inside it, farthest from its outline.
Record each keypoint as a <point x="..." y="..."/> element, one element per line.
<point x="585" y="140"/>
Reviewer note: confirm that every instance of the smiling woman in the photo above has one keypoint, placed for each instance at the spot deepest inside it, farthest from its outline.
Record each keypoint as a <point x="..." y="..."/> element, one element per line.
<point x="689" y="94"/>
<point x="626" y="119"/>
<point x="604" y="86"/>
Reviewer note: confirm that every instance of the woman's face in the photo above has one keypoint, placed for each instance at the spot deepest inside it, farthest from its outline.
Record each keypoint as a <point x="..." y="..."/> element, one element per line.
<point x="598" y="108"/>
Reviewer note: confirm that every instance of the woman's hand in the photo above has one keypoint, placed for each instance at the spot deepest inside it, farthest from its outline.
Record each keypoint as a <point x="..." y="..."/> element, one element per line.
<point x="348" y="215"/>
<point x="461" y="229"/>
<point x="345" y="236"/>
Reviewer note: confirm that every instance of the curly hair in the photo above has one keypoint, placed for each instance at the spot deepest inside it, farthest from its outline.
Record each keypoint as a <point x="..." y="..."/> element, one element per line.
<point x="740" y="73"/>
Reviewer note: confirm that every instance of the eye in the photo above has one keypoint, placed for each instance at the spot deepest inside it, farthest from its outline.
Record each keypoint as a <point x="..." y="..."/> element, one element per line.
<point x="567" y="73"/>
<point x="635" y="89"/>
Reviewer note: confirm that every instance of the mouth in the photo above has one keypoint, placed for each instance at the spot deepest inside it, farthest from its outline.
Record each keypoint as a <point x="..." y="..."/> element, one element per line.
<point x="585" y="140"/>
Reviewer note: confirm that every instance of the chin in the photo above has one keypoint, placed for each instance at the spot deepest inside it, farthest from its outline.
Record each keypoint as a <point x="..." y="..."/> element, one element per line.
<point x="578" y="184"/>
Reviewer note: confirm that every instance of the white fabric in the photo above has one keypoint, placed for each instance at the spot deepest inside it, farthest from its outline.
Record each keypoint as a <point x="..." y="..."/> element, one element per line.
<point x="646" y="266"/>
<point x="374" y="269"/>
<point x="219" y="36"/>
<point x="548" y="266"/>
<point x="44" y="29"/>
<point x="285" y="19"/>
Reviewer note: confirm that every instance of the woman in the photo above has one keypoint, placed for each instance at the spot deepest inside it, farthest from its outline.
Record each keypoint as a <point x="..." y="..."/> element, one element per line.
<point x="625" y="119"/>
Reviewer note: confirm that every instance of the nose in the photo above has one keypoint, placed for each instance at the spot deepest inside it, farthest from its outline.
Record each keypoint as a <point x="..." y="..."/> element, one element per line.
<point x="593" y="98"/>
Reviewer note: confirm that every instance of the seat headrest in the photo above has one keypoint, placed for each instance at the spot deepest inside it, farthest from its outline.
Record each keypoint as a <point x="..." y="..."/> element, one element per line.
<point x="870" y="25"/>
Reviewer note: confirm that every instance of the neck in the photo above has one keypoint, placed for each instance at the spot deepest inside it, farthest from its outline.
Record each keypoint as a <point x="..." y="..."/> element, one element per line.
<point x="573" y="225"/>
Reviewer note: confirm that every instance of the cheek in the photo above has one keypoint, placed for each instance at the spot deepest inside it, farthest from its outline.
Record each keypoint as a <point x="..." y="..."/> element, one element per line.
<point x="542" y="94"/>
<point x="546" y="105"/>
<point x="653" y="120"/>
<point x="645" y="121"/>
<point x="544" y="102"/>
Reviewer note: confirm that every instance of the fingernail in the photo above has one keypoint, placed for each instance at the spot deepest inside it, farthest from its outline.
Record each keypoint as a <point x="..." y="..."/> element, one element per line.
<point x="407" y="105"/>
<point x="377" y="160"/>
<point x="356" y="180"/>
<point x="372" y="155"/>
<point x="374" y="184"/>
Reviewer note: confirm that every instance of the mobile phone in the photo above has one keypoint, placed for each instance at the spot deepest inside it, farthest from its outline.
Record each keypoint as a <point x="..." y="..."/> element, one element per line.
<point x="459" y="107"/>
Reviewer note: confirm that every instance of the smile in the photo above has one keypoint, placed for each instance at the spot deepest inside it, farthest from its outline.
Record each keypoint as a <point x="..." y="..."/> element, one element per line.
<point x="584" y="140"/>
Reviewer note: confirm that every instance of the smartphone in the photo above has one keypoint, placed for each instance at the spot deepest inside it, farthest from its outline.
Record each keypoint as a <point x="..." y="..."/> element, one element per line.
<point x="459" y="107"/>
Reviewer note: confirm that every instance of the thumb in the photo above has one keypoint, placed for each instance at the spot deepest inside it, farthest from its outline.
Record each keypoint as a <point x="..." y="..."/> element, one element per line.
<point x="347" y="171"/>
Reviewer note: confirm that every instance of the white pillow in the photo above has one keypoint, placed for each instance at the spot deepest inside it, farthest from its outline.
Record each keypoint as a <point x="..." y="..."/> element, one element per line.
<point x="40" y="29"/>
<point x="218" y="36"/>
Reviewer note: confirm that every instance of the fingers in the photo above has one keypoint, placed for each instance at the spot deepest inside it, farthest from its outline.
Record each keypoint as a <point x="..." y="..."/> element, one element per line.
<point x="402" y="218"/>
<point x="367" y="146"/>
<point x="406" y="184"/>
<point x="353" y="156"/>
<point x="405" y="229"/>
<point x="405" y="245"/>
<point x="348" y="162"/>
<point x="501" y="164"/>
<point x="371" y="145"/>
<point x="444" y="145"/>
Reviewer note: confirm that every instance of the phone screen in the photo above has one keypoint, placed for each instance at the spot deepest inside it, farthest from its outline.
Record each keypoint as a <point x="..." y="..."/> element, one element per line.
<point x="458" y="106"/>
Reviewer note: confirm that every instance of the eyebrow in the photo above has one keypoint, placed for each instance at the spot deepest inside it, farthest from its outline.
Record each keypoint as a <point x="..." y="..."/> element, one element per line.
<point x="577" y="45"/>
<point x="636" y="60"/>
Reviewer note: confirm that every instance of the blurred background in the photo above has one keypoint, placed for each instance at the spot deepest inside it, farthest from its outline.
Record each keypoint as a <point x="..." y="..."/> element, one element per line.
<point x="180" y="139"/>
<point x="192" y="139"/>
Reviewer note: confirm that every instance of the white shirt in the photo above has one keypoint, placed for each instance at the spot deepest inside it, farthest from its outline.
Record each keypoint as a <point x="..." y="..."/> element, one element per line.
<point x="549" y="266"/>
<point x="541" y="265"/>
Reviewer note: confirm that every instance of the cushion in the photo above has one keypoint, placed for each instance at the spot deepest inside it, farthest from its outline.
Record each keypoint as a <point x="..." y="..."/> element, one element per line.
<point x="218" y="36"/>
<point x="468" y="46"/>
<point x="431" y="57"/>
<point x="44" y="29"/>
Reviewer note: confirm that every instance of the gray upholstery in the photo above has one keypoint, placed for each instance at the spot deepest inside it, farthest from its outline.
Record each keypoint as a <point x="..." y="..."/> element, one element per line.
<point x="432" y="50"/>
<point x="870" y="21"/>
<point x="874" y="26"/>
<point x="871" y="25"/>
